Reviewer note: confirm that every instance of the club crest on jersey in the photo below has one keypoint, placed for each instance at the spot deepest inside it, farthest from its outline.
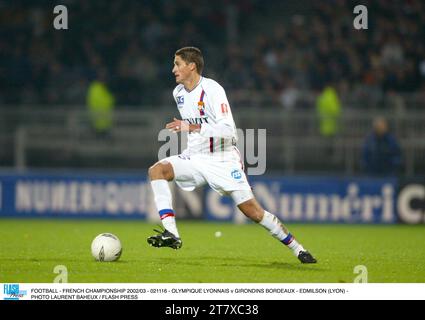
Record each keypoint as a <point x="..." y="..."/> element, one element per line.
<point x="180" y="101"/>
<point x="201" y="108"/>
<point x="201" y="104"/>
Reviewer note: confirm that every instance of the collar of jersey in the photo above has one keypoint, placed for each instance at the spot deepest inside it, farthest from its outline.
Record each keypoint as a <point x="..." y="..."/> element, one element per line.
<point x="200" y="80"/>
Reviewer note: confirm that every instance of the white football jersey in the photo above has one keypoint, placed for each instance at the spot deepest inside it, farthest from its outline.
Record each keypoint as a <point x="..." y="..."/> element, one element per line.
<point x="208" y="106"/>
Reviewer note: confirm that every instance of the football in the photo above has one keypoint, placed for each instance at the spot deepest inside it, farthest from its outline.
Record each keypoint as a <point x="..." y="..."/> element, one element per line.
<point x="106" y="247"/>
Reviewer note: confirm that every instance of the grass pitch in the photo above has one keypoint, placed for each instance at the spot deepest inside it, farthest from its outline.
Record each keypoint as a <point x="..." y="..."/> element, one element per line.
<point x="30" y="250"/>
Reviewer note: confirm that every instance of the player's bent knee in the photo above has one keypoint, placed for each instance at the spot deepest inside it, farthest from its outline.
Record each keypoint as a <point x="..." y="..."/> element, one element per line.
<point x="161" y="170"/>
<point x="153" y="171"/>
<point x="252" y="209"/>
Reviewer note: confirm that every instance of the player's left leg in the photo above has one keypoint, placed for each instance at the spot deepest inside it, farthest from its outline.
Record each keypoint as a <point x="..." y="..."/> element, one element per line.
<point x="253" y="210"/>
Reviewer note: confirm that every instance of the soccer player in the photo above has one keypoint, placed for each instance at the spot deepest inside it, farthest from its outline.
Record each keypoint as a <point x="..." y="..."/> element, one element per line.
<point x="211" y="156"/>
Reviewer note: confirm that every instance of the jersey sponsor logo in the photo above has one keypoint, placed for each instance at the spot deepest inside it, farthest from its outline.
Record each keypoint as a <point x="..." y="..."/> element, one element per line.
<point x="236" y="174"/>
<point x="196" y="120"/>
<point x="180" y="101"/>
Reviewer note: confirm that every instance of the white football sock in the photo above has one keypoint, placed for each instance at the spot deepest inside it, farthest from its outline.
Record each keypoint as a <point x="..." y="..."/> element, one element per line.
<point x="272" y="223"/>
<point x="169" y="223"/>
<point x="163" y="201"/>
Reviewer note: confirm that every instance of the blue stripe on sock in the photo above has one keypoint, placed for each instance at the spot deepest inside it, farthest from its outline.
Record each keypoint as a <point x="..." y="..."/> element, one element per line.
<point x="288" y="239"/>
<point x="165" y="211"/>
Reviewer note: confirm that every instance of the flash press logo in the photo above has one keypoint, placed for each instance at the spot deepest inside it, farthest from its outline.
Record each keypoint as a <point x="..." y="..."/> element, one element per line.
<point x="12" y="292"/>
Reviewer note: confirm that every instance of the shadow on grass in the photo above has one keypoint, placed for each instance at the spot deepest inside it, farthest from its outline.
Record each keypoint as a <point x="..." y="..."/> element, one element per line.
<point x="63" y="260"/>
<point x="239" y="263"/>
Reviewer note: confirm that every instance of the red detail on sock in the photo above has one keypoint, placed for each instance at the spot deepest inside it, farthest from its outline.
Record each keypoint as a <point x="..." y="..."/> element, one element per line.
<point x="167" y="215"/>
<point x="290" y="240"/>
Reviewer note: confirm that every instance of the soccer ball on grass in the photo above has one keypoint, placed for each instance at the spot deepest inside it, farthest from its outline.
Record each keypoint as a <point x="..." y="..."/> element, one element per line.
<point x="106" y="247"/>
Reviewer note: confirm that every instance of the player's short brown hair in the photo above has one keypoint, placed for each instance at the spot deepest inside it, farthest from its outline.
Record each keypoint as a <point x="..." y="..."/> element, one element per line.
<point x="192" y="54"/>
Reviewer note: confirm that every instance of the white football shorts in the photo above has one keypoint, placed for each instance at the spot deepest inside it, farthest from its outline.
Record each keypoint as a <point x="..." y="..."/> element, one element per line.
<point x="224" y="174"/>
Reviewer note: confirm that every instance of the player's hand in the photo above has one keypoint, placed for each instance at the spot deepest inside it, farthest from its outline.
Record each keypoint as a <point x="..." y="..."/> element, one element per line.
<point x="177" y="126"/>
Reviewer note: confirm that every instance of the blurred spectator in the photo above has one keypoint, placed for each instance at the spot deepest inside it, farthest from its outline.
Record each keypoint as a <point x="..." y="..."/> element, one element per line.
<point x="328" y="107"/>
<point x="392" y="53"/>
<point x="396" y="103"/>
<point x="381" y="151"/>
<point x="100" y="102"/>
<point x="289" y="96"/>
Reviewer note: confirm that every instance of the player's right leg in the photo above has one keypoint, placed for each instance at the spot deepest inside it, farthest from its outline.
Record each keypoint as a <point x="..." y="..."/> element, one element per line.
<point x="159" y="174"/>
<point x="253" y="210"/>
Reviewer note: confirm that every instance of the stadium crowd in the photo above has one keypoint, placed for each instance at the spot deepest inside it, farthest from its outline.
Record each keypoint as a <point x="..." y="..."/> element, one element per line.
<point x="131" y="43"/>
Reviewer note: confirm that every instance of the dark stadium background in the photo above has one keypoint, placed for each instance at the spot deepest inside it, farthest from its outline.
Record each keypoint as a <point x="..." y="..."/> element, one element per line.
<point x="258" y="50"/>
<point x="279" y="61"/>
